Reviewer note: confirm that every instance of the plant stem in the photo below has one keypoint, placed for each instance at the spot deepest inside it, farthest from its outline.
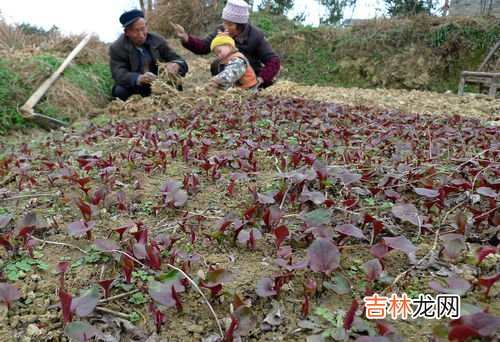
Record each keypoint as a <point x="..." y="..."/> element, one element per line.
<point x="119" y="296"/>
<point x="187" y="277"/>
<point x="113" y="312"/>
<point x="27" y="196"/>
<point x="59" y="244"/>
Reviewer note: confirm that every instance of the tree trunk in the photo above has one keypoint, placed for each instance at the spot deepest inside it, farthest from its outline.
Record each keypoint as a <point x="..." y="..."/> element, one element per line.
<point x="268" y="6"/>
<point x="151" y="6"/>
<point x="143" y="8"/>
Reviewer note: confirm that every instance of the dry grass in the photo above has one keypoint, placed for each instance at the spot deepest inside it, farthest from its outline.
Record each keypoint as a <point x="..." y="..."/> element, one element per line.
<point x="10" y="37"/>
<point x="194" y="16"/>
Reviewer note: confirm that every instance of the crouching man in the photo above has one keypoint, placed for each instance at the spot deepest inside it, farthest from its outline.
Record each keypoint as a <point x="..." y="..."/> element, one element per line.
<point x="135" y="54"/>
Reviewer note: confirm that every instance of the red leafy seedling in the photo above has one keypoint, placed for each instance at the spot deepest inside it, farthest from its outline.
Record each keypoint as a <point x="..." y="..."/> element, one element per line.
<point x="81" y="331"/>
<point x="407" y="212"/>
<point x="372" y="269"/>
<point x="454" y="244"/>
<point x="66" y="300"/>
<point x="280" y="234"/>
<point x="84" y="208"/>
<point x="122" y="200"/>
<point x="265" y="287"/>
<point x="315" y="197"/>
<point x="323" y="256"/>
<point x="272" y="216"/>
<point x="128" y="266"/>
<point x="214" y="280"/>
<point x="9" y="294"/>
<point x="350" y="315"/>
<point x="86" y="303"/>
<point x="400" y="243"/>
<point x="61" y="268"/>
<point x="177" y="198"/>
<point x="348" y="230"/>
<point x="153" y="257"/>
<point x="461" y="222"/>
<point x="106" y="284"/>
<point x="242" y="320"/>
<point x="479" y="324"/>
<point x="348" y="178"/>
<point x="81" y="227"/>
<point x="5" y="220"/>
<point x="121" y="230"/>
<point x="107" y="245"/>
<point x="163" y="293"/>
<point x="429" y="193"/>
<point x="487" y="192"/>
<point x="250" y="237"/>
<point x="173" y="194"/>
<point x="488" y="283"/>
<point x="455" y="286"/>
<point x="309" y="288"/>
<point x="99" y="195"/>
<point x="483" y="251"/>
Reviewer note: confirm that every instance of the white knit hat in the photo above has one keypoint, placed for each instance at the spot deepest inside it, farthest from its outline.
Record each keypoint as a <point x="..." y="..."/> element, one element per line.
<point x="236" y="11"/>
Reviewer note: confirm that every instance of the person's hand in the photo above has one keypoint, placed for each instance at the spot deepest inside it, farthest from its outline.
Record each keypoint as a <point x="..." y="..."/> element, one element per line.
<point x="146" y="78"/>
<point x="223" y="33"/>
<point x="260" y="80"/>
<point x="173" y="68"/>
<point x="180" y="32"/>
<point x="213" y="84"/>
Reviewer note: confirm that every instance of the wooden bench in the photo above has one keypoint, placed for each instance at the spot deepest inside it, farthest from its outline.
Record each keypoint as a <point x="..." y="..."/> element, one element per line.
<point x="487" y="76"/>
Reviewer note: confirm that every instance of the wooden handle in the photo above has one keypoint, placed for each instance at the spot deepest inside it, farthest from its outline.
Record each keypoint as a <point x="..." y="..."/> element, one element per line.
<point x="37" y="95"/>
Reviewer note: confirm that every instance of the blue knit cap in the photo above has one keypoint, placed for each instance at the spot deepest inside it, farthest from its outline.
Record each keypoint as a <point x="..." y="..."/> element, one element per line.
<point x="130" y="17"/>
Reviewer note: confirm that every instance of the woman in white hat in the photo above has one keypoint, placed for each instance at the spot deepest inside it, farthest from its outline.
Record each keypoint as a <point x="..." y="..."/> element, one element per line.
<point x="249" y="40"/>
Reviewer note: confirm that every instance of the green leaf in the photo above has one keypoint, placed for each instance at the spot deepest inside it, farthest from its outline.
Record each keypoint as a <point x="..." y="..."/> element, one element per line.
<point x="80" y="331"/>
<point x="325" y="314"/>
<point x="317" y="217"/>
<point x="42" y="265"/>
<point x="171" y="276"/>
<point x="13" y="275"/>
<point x="340" y="284"/>
<point x="23" y="265"/>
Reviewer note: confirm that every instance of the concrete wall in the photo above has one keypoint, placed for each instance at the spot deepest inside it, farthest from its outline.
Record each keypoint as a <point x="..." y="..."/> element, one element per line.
<point x="460" y="8"/>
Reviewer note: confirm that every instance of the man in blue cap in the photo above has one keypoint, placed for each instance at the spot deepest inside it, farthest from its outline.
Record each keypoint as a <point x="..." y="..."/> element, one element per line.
<point x="135" y="54"/>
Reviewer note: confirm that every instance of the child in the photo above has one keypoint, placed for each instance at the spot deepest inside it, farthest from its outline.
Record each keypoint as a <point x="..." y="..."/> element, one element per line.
<point x="234" y="68"/>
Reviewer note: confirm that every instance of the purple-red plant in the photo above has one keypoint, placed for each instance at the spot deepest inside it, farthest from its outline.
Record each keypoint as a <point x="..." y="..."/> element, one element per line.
<point x="127" y="264"/>
<point x="214" y="280"/>
<point x="242" y="320"/>
<point x="80" y="331"/>
<point x="488" y="283"/>
<point x="62" y="267"/>
<point x="483" y="251"/>
<point x="479" y="324"/>
<point x="323" y="256"/>
<point x="455" y="286"/>
<point x="309" y="288"/>
<point x="81" y="227"/>
<point x="9" y="294"/>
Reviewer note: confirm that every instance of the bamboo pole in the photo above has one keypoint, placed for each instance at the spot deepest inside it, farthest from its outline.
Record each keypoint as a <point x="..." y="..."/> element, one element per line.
<point x="26" y="109"/>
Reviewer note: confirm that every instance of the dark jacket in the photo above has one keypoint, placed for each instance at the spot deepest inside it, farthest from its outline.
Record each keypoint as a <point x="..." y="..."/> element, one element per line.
<point x="126" y="61"/>
<point x="251" y="42"/>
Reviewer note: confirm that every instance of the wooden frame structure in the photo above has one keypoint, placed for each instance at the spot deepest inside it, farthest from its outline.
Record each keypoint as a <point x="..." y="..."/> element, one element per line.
<point x="485" y="79"/>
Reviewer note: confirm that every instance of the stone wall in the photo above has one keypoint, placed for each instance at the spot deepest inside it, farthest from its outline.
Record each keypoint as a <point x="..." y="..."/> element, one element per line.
<point x="460" y="8"/>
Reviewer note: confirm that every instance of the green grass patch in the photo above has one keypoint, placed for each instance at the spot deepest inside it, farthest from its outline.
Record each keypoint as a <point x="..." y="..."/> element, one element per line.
<point x="11" y="93"/>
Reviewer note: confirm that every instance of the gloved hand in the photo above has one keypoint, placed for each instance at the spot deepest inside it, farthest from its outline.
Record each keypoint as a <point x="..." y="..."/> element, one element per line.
<point x="180" y="32"/>
<point x="146" y="78"/>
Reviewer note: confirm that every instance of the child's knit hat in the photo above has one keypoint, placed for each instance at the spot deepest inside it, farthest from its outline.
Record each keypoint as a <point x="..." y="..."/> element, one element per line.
<point x="221" y="40"/>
